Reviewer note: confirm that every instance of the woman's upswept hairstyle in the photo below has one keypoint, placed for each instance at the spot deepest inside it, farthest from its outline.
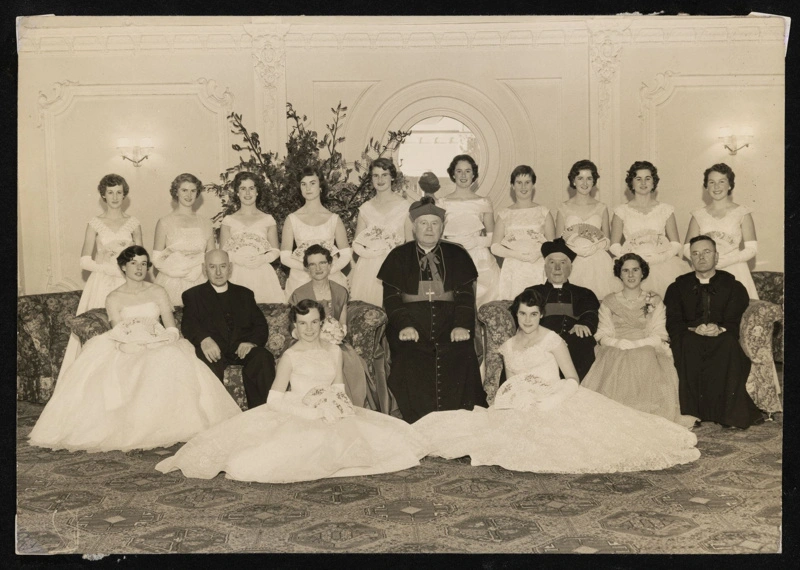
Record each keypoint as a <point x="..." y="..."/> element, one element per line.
<point x="180" y="179"/>
<point x="127" y="254"/>
<point x="529" y="298"/>
<point x="112" y="180"/>
<point x="316" y="248"/>
<point x="723" y="169"/>
<point x="304" y="307"/>
<point x="643" y="265"/>
<point x="451" y="170"/>
<point x="582" y="165"/>
<point x="641" y="165"/>
<point x="261" y="186"/>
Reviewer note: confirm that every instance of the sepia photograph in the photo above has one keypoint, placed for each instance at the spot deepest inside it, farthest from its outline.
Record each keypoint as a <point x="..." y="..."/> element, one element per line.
<point x="400" y="284"/>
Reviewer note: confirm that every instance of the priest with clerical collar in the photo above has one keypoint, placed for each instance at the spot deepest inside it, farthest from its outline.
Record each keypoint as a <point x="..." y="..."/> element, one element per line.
<point x="569" y="310"/>
<point x="429" y="298"/>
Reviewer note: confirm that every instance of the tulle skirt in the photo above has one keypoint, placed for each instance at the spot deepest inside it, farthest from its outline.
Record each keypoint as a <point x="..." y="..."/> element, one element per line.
<point x="742" y="273"/>
<point x="516" y="276"/>
<point x="175" y="286"/>
<point x="662" y="275"/>
<point x="595" y="272"/>
<point x="262" y="281"/>
<point x="488" y="275"/>
<point x="364" y="283"/>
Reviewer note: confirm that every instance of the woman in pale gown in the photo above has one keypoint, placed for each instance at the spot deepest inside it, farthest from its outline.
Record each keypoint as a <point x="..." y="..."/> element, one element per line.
<point x="583" y="223"/>
<point x="251" y="239"/>
<point x="728" y="223"/>
<point x="313" y="223"/>
<point x="181" y="241"/>
<point x="109" y="233"/>
<point x="633" y="364"/>
<point x="542" y="423"/>
<point x="649" y="229"/>
<point x="519" y="232"/>
<point x="383" y="224"/>
<point x="469" y="221"/>
<point x="312" y="431"/>
<point x="137" y="386"/>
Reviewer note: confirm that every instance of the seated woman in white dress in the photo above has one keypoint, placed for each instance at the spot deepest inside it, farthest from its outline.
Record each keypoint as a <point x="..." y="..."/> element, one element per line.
<point x="137" y="386"/>
<point x="312" y="431"/>
<point x="251" y="239"/>
<point x="545" y="424"/>
<point x="469" y="221"/>
<point x="519" y="232"/>
<point x="728" y="223"/>
<point x="313" y="223"/>
<point x="181" y="241"/>
<point x="633" y="364"/>
<point x="649" y="228"/>
<point x="583" y="223"/>
<point x="383" y="224"/>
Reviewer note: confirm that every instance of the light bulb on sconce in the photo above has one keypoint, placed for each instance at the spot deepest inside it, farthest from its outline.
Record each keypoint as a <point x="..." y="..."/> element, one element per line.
<point x="734" y="142"/>
<point x="133" y="152"/>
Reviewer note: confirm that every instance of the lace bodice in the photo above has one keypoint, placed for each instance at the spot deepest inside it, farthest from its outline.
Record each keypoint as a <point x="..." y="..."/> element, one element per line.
<point x="726" y="231"/>
<point x="245" y="236"/>
<point x="638" y="224"/>
<point x="571" y="217"/>
<point x="110" y="243"/>
<point x="312" y="368"/>
<point x="305" y="235"/>
<point x="537" y="359"/>
<point x="187" y="240"/>
<point x="518" y="221"/>
<point x="464" y="217"/>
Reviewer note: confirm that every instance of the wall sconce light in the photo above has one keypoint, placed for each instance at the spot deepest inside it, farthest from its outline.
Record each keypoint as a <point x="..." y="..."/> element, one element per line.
<point x="730" y="140"/>
<point x="135" y="153"/>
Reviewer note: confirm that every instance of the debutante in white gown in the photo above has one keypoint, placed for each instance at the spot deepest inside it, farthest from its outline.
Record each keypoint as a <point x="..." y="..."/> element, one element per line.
<point x="278" y="447"/>
<point x="524" y="231"/>
<point x="727" y="233"/>
<point x="246" y="248"/>
<point x="542" y="423"/>
<point x="305" y="235"/>
<point x="182" y="269"/>
<point x="461" y="223"/>
<point x="100" y="283"/>
<point x="645" y="236"/>
<point x="593" y="268"/>
<point x="382" y="233"/>
<point x="122" y="395"/>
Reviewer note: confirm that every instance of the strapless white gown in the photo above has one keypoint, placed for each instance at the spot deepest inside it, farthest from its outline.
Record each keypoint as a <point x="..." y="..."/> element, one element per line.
<point x="277" y="447"/>
<point x="183" y="268"/>
<point x="111" y="399"/>
<point x="545" y="424"/>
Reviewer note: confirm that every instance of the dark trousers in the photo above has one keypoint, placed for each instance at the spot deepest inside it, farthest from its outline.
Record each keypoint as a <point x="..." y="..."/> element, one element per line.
<point x="258" y="372"/>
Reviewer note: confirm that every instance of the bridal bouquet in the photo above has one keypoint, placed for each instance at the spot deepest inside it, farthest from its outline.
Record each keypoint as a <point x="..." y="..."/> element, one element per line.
<point x="334" y="403"/>
<point x="332" y="331"/>
<point x="526" y="391"/>
<point x="301" y="248"/>
<point x="376" y="237"/>
<point x="140" y="331"/>
<point x="585" y="239"/>
<point x="523" y="240"/>
<point x="650" y="244"/>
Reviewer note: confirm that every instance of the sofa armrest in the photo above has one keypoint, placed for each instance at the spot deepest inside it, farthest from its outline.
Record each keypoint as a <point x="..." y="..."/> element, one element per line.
<point x="755" y="337"/>
<point x="366" y="324"/>
<point x="89" y="324"/>
<point x="498" y="326"/>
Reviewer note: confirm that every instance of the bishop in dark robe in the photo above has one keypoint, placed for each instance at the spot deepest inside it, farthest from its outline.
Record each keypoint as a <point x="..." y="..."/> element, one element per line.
<point x="704" y="309"/>
<point x="429" y="298"/>
<point x="569" y="310"/>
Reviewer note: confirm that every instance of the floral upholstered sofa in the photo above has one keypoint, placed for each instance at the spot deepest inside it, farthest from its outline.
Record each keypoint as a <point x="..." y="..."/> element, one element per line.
<point x="44" y="323"/>
<point x="761" y="337"/>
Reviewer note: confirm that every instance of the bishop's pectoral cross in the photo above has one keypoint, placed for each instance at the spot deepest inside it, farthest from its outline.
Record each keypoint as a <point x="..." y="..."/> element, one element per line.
<point x="430" y="295"/>
<point x="430" y="289"/>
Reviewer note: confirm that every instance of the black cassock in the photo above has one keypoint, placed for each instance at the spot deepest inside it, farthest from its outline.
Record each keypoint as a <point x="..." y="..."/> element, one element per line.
<point x="434" y="373"/>
<point x="566" y="307"/>
<point x="712" y="371"/>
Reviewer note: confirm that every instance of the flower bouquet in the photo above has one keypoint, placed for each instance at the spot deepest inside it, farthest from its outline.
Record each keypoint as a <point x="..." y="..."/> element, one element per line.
<point x="526" y="391"/>
<point x="334" y="403"/>
<point x="332" y="331"/>
<point x="585" y="239"/>
<point x="136" y="334"/>
<point x="523" y="240"/>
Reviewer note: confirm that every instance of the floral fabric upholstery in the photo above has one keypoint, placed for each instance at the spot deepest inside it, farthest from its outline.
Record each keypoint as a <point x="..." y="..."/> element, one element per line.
<point x="769" y="285"/>
<point x="756" y="338"/>
<point x="498" y="326"/>
<point x="44" y="323"/>
<point x="42" y="336"/>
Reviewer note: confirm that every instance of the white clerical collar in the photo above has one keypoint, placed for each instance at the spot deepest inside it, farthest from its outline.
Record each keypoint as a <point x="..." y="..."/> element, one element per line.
<point x="704" y="280"/>
<point x="557" y="285"/>
<point x="220" y="289"/>
<point x="427" y="249"/>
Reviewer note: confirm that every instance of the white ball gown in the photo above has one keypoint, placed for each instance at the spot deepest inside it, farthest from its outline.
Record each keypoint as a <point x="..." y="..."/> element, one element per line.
<point x="305" y="235"/>
<point x="524" y="231"/>
<point x="246" y="247"/>
<point x="182" y="268"/>
<point x="120" y="395"/>
<point x="381" y="234"/>
<point x="727" y="233"/>
<point x="278" y="447"/>
<point x="645" y="236"/>
<point x="462" y="223"/>
<point x="593" y="268"/>
<point x="100" y="283"/>
<point x="544" y="424"/>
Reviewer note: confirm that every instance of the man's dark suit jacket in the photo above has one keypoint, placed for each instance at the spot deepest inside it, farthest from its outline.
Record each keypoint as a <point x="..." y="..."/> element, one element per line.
<point x="203" y="317"/>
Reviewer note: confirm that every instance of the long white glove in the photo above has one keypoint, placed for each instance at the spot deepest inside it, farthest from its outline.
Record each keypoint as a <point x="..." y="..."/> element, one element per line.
<point x="291" y="262"/>
<point x="750" y="250"/>
<point x="277" y="401"/>
<point x="174" y="334"/>
<point x="615" y="249"/>
<point x="157" y="256"/>
<point x="368" y="252"/>
<point x="250" y="261"/>
<point x="653" y="341"/>
<point x="675" y="248"/>
<point x="272" y="255"/>
<point x="687" y="253"/>
<point x="90" y="264"/>
<point x="345" y="255"/>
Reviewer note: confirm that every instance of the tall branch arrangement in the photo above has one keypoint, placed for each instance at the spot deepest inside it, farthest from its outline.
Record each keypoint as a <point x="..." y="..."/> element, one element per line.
<point x="303" y="149"/>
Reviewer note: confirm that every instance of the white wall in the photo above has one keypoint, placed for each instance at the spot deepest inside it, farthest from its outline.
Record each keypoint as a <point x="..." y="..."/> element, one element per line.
<point x="544" y="91"/>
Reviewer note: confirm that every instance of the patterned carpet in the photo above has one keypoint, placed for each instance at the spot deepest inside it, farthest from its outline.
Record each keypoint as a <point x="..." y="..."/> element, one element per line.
<point x="728" y="501"/>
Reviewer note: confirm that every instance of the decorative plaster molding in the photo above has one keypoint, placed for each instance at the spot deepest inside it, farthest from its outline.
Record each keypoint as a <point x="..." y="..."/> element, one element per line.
<point x="64" y="93"/>
<point x="605" y="48"/>
<point x="268" y="50"/>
